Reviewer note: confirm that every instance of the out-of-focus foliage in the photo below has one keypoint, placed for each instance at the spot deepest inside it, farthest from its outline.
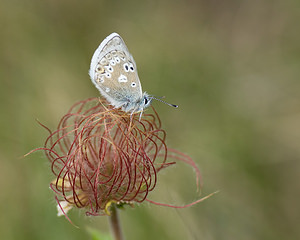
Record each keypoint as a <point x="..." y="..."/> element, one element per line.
<point x="233" y="67"/>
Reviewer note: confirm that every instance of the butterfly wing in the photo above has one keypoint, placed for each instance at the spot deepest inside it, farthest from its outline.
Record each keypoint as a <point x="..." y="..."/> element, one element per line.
<point x="113" y="71"/>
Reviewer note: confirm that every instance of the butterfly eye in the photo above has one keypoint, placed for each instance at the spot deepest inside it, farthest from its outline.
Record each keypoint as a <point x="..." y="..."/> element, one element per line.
<point x="117" y="60"/>
<point x="145" y="101"/>
<point x="133" y="84"/>
<point x="126" y="67"/>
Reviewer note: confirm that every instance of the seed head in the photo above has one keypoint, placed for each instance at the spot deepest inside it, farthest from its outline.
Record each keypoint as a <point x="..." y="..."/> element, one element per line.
<point x="101" y="155"/>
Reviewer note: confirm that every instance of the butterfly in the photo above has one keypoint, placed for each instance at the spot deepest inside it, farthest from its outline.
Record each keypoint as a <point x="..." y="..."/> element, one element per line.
<point x="114" y="73"/>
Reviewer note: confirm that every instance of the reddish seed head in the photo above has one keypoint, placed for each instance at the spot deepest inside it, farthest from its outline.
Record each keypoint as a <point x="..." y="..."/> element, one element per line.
<point x="102" y="155"/>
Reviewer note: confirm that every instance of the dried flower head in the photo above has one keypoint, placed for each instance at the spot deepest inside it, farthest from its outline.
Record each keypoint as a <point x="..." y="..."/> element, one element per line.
<point x="100" y="155"/>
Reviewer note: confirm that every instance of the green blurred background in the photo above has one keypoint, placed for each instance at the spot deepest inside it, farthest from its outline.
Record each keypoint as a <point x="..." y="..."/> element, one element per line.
<point x="232" y="66"/>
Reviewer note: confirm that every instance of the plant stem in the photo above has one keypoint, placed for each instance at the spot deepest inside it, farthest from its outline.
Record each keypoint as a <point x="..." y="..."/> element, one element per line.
<point x="115" y="223"/>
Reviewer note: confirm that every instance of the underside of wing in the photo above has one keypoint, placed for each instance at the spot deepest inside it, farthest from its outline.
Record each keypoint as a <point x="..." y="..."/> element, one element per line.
<point x="114" y="73"/>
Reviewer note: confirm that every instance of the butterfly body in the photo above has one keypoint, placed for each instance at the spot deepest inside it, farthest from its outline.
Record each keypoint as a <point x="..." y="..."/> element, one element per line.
<point x="113" y="71"/>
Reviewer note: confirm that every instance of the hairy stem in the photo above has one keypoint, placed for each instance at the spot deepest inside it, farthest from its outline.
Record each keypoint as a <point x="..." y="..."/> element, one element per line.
<point x="115" y="223"/>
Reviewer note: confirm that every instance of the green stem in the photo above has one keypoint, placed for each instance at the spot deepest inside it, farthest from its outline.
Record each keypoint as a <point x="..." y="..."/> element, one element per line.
<point x="115" y="223"/>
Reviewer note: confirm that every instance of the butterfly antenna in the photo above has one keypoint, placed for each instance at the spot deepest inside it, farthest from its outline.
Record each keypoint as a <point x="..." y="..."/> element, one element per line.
<point x="172" y="105"/>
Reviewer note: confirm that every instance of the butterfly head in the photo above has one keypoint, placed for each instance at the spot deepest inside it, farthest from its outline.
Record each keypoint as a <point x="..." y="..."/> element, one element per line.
<point x="145" y="102"/>
<point x="139" y="105"/>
